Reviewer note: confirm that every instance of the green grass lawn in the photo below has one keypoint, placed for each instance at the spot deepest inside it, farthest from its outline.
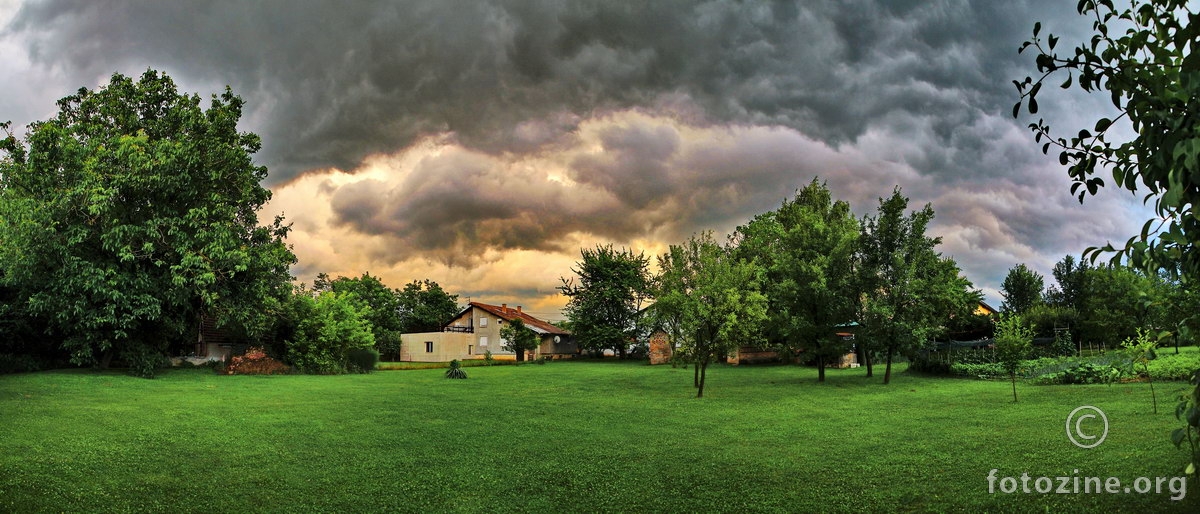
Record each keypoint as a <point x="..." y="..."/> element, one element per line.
<point x="565" y="436"/>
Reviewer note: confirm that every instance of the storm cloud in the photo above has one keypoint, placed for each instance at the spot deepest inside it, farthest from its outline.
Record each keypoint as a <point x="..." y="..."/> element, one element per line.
<point x="449" y="137"/>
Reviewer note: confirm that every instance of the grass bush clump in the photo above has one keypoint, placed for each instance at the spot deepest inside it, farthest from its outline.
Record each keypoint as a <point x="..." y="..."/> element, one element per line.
<point x="455" y="370"/>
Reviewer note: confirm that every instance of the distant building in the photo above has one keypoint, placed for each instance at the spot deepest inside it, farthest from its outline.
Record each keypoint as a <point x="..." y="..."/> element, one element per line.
<point x="476" y="331"/>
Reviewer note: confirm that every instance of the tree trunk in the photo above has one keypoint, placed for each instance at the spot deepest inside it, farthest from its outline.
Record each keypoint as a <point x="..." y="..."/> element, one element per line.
<point x="1153" y="397"/>
<point x="1013" y="376"/>
<point x="106" y="358"/>
<point x="821" y="368"/>
<point x="869" y="364"/>
<point x="887" y="374"/>
<point x="696" y="374"/>
<point x="703" y="369"/>
<point x="520" y="355"/>
<point x="621" y="352"/>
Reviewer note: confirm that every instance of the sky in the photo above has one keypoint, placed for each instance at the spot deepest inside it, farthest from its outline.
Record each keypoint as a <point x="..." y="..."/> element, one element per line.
<point x="482" y="144"/>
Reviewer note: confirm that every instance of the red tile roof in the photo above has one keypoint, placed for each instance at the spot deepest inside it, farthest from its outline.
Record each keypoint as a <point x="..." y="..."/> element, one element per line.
<point x="509" y="314"/>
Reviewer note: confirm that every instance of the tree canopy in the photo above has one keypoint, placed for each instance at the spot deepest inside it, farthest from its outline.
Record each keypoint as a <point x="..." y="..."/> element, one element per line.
<point x="1142" y="57"/>
<point x="518" y="338"/>
<point x="807" y="249"/>
<point x="910" y="291"/>
<point x="712" y="299"/>
<point x="425" y="306"/>
<point x="1021" y="289"/>
<point x="605" y="304"/>
<point x="382" y="309"/>
<point x="133" y="212"/>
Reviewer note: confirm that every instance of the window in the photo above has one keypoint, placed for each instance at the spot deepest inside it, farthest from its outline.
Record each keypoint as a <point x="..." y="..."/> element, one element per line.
<point x="470" y="350"/>
<point x="482" y="341"/>
<point x="428" y="346"/>
<point x="482" y="322"/>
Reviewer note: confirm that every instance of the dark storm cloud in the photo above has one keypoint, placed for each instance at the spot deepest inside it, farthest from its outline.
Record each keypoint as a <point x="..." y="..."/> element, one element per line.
<point x="743" y="101"/>
<point x="340" y="81"/>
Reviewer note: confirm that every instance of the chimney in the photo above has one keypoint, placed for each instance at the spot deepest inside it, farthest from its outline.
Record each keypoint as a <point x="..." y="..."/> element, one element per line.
<point x="504" y="307"/>
<point x="518" y="309"/>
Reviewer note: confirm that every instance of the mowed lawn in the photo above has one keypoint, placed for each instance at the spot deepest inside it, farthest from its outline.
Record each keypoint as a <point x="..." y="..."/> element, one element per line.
<point x="566" y="437"/>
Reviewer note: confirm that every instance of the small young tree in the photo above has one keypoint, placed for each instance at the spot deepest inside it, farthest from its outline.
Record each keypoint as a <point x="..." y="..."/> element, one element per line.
<point x="713" y="297"/>
<point x="1013" y="341"/>
<point x="518" y="338"/>
<point x="1141" y="351"/>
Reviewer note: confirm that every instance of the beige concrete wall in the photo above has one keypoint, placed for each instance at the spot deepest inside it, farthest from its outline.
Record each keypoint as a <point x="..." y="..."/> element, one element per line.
<point x="447" y="346"/>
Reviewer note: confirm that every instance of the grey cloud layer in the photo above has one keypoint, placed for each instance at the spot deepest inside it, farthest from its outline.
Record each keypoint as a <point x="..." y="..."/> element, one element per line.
<point x="746" y="101"/>
<point x="344" y="80"/>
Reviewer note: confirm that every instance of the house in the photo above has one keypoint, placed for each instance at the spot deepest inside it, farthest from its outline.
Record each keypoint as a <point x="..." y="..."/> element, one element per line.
<point x="757" y="354"/>
<point x="983" y="309"/>
<point x="661" y="348"/>
<point x="475" y="331"/>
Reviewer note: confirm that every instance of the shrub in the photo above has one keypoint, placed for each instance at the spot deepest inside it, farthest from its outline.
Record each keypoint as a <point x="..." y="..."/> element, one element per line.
<point x="488" y="360"/>
<point x="985" y="371"/>
<point x="455" y="370"/>
<point x="143" y="360"/>
<point x="1081" y="373"/>
<point x="15" y="363"/>
<point x="255" y="362"/>
<point x="1174" y="367"/>
<point x="929" y="364"/>
<point x="331" y="325"/>
<point x="363" y="360"/>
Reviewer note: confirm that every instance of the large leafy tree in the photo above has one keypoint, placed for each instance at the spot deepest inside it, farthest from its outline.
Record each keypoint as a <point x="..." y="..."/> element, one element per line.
<point x="1021" y="289"/>
<point x="910" y="292"/>
<point x="1143" y="58"/>
<point x="605" y="304"/>
<point x="806" y="248"/>
<point x="712" y="300"/>
<point x="133" y="212"/>
<point x="425" y="306"/>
